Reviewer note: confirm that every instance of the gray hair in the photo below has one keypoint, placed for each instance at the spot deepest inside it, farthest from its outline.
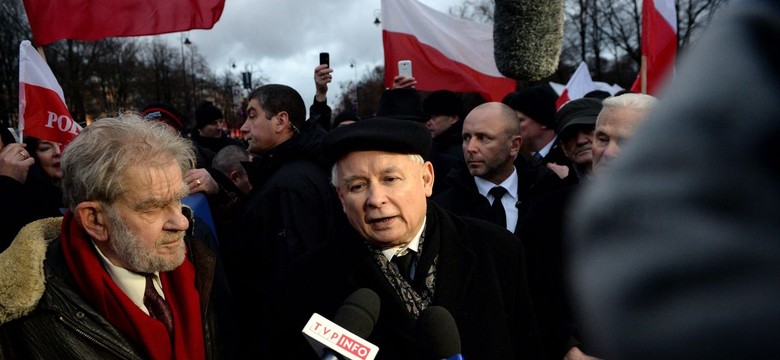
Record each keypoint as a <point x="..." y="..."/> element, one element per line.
<point x="94" y="164"/>
<point x="334" y="170"/>
<point x="639" y="102"/>
<point x="229" y="159"/>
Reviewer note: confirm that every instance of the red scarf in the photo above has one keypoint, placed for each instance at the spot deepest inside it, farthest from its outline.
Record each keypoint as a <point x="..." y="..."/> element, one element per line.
<point x="110" y="301"/>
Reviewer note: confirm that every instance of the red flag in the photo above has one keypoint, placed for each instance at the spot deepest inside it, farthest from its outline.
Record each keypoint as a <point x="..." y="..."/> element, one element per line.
<point x="580" y="84"/>
<point x="446" y="52"/>
<point x="42" y="110"/>
<point x="53" y="20"/>
<point x="659" y="45"/>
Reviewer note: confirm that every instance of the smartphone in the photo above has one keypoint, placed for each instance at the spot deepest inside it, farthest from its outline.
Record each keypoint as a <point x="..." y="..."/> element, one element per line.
<point x="405" y="68"/>
<point x="325" y="58"/>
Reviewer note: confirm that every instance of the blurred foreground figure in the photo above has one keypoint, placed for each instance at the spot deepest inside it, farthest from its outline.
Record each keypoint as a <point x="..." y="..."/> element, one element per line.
<point x="677" y="242"/>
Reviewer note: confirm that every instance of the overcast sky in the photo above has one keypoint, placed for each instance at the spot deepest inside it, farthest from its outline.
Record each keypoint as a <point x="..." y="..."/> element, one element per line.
<point x="282" y="39"/>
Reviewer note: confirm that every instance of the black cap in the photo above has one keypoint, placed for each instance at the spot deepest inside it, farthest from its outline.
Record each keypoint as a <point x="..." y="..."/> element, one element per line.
<point x="536" y="102"/>
<point x="379" y="134"/>
<point x="582" y="111"/>
<point x="404" y="104"/>
<point x="443" y="102"/>
<point x="206" y="113"/>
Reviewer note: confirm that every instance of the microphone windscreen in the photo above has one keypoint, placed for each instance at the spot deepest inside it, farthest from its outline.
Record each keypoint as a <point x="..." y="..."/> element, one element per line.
<point x="359" y="312"/>
<point x="437" y="333"/>
<point x="527" y="37"/>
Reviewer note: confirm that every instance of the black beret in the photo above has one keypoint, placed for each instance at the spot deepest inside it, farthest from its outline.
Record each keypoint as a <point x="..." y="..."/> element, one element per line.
<point x="536" y="102"/>
<point x="377" y="134"/>
<point x="582" y="111"/>
<point x="404" y="104"/>
<point x="443" y="102"/>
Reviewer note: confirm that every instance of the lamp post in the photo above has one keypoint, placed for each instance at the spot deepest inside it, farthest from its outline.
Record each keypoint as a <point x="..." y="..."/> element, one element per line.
<point x="353" y="65"/>
<point x="184" y="40"/>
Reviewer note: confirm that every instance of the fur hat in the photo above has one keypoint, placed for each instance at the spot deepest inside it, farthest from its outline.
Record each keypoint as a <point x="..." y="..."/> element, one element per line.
<point x="536" y="102"/>
<point x="381" y="134"/>
<point x="163" y="112"/>
<point x="206" y="113"/>
<point x="402" y="104"/>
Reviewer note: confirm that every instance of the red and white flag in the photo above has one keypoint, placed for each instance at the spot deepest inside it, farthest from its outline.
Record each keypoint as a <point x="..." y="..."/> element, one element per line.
<point x="579" y="84"/>
<point x="42" y="110"/>
<point x="52" y="20"/>
<point x="659" y="45"/>
<point x="446" y="52"/>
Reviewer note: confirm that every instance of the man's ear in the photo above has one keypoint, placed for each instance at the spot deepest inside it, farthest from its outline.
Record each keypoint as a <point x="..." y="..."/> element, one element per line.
<point x="427" y="177"/>
<point x="282" y="121"/>
<point x="516" y="143"/>
<point x="233" y="176"/>
<point x="91" y="216"/>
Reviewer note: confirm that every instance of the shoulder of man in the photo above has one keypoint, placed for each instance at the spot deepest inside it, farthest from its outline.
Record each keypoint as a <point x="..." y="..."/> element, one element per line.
<point x="21" y="268"/>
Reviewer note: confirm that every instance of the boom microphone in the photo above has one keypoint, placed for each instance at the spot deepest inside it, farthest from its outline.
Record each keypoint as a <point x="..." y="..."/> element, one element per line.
<point x="345" y="336"/>
<point x="527" y="37"/>
<point x="437" y="334"/>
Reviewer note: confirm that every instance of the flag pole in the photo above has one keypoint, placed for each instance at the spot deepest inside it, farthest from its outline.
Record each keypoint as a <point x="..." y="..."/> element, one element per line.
<point x="643" y="74"/>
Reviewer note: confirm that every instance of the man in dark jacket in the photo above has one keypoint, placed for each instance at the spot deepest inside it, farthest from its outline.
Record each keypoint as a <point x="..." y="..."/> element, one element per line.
<point x="209" y="129"/>
<point x="492" y="141"/>
<point x="292" y="206"/>
<point x="472" y="268"/>
<point x="119" y="280"/>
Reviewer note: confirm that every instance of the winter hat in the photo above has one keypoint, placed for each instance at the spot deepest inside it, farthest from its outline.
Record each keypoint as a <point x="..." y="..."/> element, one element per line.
<point x="163" y="112"/>
<point x="206" y="113"/>
<point x="536" y="102"/>
<point x="403" y="104"/>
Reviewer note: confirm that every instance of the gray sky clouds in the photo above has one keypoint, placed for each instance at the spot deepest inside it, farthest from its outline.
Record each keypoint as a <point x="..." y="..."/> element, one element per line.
<point x="281" y="39"/>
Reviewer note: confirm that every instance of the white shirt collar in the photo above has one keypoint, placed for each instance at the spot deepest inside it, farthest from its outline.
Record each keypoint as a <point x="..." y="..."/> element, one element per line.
<point x="510" y="184"/>
<point x="413" y="245"/>
<point x="546" y="149"/>
<point x="131" y="283"/>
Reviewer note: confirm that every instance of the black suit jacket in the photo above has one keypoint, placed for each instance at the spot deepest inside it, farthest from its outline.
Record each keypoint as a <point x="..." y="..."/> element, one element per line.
<point x="480" y="279"/>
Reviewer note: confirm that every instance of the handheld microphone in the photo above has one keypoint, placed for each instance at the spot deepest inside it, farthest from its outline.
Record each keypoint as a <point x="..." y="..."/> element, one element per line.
<point x="345" y="335"/>
<point x="527" y="37"/>
<point x="437" y="334"/>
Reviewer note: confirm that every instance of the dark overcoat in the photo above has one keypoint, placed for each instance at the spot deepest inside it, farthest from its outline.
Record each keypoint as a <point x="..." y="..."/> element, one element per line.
<point x="480" y="279"/>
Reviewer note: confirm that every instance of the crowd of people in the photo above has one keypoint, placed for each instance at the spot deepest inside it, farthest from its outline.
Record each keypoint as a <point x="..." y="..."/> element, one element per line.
<point x="140" y="240"/>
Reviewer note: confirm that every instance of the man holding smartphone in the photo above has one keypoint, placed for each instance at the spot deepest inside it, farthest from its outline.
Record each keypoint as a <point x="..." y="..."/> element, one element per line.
<point x="319" y="111"/>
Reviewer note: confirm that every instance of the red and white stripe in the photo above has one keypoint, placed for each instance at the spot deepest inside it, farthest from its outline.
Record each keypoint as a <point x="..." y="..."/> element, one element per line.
<point x="579" y="84"/>
<point x="659" y="43"/>
<point x="446" y="52"/>
<point x="42" y="110"/>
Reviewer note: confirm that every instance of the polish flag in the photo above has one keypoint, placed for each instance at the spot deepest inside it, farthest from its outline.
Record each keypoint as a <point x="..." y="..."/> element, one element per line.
<point x="579" y="84"/>
<point x="446" y="52"/>
<point x="52" y="20"/>
<point x="42" y="110"/>
<point x="659" y="45"/>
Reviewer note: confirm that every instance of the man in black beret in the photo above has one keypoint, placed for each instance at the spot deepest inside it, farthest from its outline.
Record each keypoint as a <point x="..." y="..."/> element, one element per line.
<point x="410" y="252"/>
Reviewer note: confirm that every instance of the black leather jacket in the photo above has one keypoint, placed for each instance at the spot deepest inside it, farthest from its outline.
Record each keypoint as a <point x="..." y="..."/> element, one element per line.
<point x="64" y="326"/>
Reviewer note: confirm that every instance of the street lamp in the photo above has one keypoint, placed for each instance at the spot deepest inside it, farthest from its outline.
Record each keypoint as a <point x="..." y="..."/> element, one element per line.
<point x="377" y="15"/>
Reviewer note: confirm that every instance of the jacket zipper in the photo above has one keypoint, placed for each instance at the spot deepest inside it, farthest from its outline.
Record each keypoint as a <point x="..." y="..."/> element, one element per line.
<point x="70" y="324"/>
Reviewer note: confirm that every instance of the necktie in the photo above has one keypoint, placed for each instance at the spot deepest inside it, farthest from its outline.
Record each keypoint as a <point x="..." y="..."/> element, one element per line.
<point x="499" y="214"/>
<point x="156" y="305"/>
<point x="404" y="263"/>
<point x="538" y="156"/>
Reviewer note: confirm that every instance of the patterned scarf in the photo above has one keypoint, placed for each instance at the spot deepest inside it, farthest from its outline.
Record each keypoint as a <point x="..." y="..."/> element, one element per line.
<point x="415" y="303"/>
<point x="110" y="301"/>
